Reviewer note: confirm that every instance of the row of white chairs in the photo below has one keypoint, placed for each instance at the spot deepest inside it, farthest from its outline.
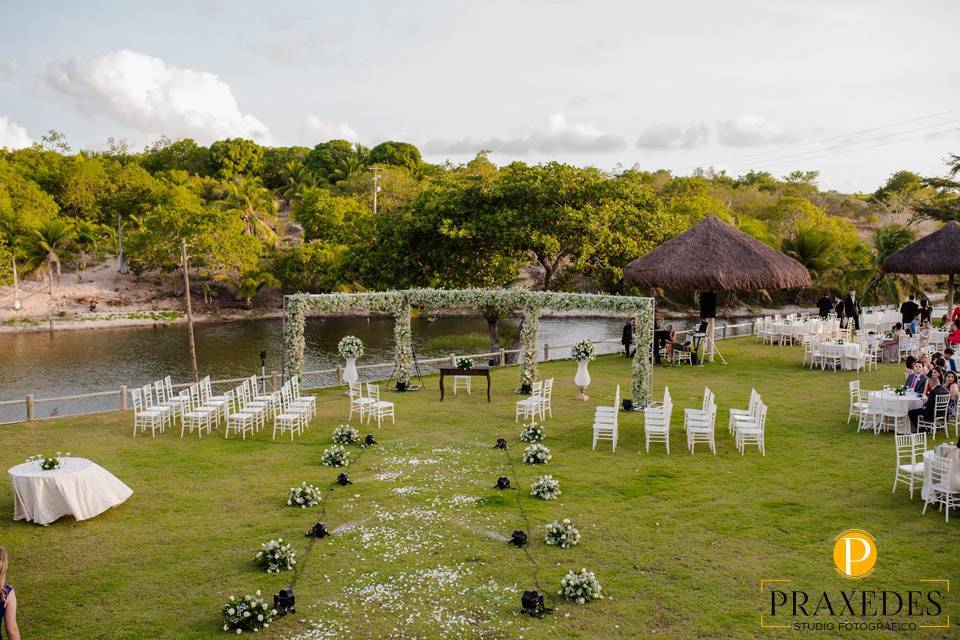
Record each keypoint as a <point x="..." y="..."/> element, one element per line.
<point x="370" y="406"/>
<point x="538" y="403"/>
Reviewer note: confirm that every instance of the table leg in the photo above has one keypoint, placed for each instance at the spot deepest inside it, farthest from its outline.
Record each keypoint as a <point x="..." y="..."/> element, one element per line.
<point x="441" y="387"/>
<point x="488" y="388"/>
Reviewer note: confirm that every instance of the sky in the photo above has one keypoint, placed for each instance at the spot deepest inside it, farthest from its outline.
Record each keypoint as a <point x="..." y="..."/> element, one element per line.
<point x="855" y="90"/>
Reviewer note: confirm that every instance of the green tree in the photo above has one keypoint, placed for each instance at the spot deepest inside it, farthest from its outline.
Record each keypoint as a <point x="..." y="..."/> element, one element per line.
<point x="177" y="155"/>
<point x="317" y="267"/>
<point x="24" y="206"/>
<point x="296" y="179"/>
<point x="46" y="247"/>
<point x="400" y="154"/>
<point x="878" y="286"/>
<point x="275" y="161"/>
<point x="255" y="206"/>
<point x="944" y="203"/>
<point x="236" y="157"/>
<point x="330" y="218"/>
<point x="324" y="159"/>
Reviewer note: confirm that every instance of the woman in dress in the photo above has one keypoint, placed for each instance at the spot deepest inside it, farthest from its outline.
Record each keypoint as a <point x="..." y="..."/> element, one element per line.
<point x="950" y="382"/>
<point x="890" y="345"/>
<point x="934" y="380"/>
<point x="8" y="601"/>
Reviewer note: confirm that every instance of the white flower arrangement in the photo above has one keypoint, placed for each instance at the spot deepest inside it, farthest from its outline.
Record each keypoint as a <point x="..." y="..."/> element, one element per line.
<point x="336" y="456"/>
<point x="399" y="304"/>
<point x="345" y="434"/>
<point x="249" y="613"/>
<point x="48" y="463"/>
<point x="532" y="432"/>
<point x="580" y="587"/>
<point x="536" y="454"/>
<point x="464" y="363"/>
<point x="545" y="488"/>
<point x="583" y="350"/>
<point x="561" y="534"/>
<point x="350" y="347"/>
<point x="276" y="556"/>
<point x="303" y="496"/>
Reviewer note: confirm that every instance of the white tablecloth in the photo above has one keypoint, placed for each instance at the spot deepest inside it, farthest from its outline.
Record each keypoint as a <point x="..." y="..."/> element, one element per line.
<point x="850" y="351"/>
<point x="937" y="337"/>
<point x="903" y="403"/>
<point x="928" y="474"/>
<point x="797" y="328"/>
<point x="80" y="488"/>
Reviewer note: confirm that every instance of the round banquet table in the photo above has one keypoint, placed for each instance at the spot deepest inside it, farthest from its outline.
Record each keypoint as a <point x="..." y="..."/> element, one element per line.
<point x="905" y="403"/>
<point x="848" y="351"/>
<point x="927" y="486"/>
<point x="80" y="488"/>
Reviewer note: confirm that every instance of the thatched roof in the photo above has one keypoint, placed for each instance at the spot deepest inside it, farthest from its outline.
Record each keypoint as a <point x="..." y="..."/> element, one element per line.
<point x="714" y="256"/>
<point x="937" y="253"/>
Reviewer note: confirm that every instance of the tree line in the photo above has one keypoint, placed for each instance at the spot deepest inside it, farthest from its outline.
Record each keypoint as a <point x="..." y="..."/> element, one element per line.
<point x="303" y="218"/>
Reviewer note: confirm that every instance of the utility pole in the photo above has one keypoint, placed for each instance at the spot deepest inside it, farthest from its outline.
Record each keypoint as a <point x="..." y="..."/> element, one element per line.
<point x="16" y="288"/>
<point x="123" y="264"/>
<point x="186" y="286"/>
<point x="376" y="189"/>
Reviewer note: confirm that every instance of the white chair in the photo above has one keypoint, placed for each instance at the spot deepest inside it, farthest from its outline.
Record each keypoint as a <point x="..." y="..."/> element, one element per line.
<point x="700" y="428"/>
<point x="246" y="404"/>
<point x="857" y="403"/>
<point x="358" y="403"/>
<point x="831" y="355"/>
<point x="752" y="431"/>
<point x="905" y="347"/>
<point x="605" y="425"/>
<point x="656" y="422"/>
<point x="379" y="408"/>
<point x="871" y="415"/>
<point x="939" y="421"/>
<point x="144" y="417"/>
<point x="462" y="382"/>
<point x="531" y="406"/>
<point x="743" y="414"/>
<point x="615" y="407"/>
<point x="894" y="415"/>
<point x="301" y="400"/>
<point x="909" y="470"/>
<point x="288" y="418"/>
<point x="239" y="420"/>
<point x="196" y="416"/>
<point x="701" y="413"/>
<point x="546" y="400"/>
<point x="943" y="485"/>
<point x="151" y="403"/>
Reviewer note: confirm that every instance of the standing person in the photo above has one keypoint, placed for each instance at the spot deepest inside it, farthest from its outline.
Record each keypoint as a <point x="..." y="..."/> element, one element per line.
<point x="8" y="600"/>
<point x="926" y="312"/>
<point x="825" y="305"/>
<point x="908" y="314"/>
<point x="627" y="339"/>
<point x="838" y="307"/>
<point x="851" y="309"/>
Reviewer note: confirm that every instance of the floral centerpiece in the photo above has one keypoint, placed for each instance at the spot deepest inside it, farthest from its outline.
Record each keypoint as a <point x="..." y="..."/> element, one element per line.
<point x="583" y="350"/>
<point x="303" y="496"/>
<point x="336" y="456"/>
<point x="48" y="463"/>
<point x="532" y="432"/>
<point x="901" y="390"/>
<point x="536" y="454"/>
<point x="580" y="587"/>
<point x="276" y="556"/>
<point x="545" y="488"/>
<point x="561" y="534"/>
<point x="464" y="363"/>
<point x="345" y="434"/>
<point x="249" y="613"/>
<point x="350" y="348"/>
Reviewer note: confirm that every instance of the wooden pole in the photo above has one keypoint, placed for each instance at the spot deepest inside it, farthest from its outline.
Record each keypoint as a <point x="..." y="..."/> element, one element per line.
<point x="186" y="286"/>
<point x="16" y="288"/>
<point x="950" y="295"/>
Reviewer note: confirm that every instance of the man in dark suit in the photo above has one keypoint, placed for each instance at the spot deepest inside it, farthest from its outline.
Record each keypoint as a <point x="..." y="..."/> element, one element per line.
<point x="851" y="309"/>
<point x="627" y="339"/>
<point x="825" y="305"/>
<point x="908" y="313"/>
<point x="916" y="381"/>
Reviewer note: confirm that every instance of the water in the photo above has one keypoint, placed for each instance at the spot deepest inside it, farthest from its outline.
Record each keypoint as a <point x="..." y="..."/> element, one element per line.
<point x="83" y="361"/>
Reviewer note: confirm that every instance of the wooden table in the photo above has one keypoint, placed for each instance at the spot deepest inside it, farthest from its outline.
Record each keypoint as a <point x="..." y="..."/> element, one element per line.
<point x="475" y="372"/>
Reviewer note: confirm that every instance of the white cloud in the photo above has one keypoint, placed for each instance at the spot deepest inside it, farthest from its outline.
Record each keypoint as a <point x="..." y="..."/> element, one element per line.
<point x="314" y="131"/>
<point x="752" y="131"/>
<point x="665" y="136"/>
<point x="148" y="94"/>
<point x="558" y="136"/>
<point x="12" y="135"/>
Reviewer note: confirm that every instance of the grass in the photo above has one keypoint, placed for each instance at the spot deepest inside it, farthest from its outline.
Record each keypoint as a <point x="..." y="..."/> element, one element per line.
<point x="679" y="542"/>
<point x="463" y="343"/>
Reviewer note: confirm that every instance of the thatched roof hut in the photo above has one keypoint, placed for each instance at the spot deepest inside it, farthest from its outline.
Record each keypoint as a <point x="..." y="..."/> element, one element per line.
<point x="715" y="256"/>
<point x="935" y="254"/>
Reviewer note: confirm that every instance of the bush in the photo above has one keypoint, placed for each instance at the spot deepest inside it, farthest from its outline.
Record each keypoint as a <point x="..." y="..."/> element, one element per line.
<point x="276" y="556"/>
<point x="532" y="432"/>
<point x="545" y="488"/>
<point x="580" y="587"/>
<point x="336" y="456"/>
<point x="249" y="613"/>
<point x="561" y="534"/>
<point x="345" y="434"/>
<point x="303" y="496"/>
<point x="536" y="454"/>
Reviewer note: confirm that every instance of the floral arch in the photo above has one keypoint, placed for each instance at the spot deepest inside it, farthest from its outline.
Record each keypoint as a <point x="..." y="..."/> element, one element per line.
<point x="531" y="303"/>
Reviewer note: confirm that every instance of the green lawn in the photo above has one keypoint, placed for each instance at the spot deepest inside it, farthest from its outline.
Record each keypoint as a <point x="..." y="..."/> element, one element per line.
<point x="679" y="542"/>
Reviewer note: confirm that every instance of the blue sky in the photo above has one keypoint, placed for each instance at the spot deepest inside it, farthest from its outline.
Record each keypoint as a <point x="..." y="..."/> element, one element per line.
<point x="735" y="85"/>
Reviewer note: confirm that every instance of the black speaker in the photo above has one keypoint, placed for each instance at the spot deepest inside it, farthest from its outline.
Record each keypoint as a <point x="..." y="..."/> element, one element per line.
<point x="708" y="304"/>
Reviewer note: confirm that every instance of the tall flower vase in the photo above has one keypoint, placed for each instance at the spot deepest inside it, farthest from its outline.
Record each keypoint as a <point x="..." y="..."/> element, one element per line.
<point x="350" y="374"/>
<point x="582" y="379"/>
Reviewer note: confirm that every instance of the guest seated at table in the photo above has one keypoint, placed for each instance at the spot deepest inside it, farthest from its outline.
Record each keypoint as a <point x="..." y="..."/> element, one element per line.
<point x="950" y="382"/>
<point x="934" y="380"/>
<point x="917" y="381"/>
<point x="948" y="356"/>
<point x="673" y="344"/>
<point x="908" y="366"/>
<point x="925" y="326"/>
<point x="954" y="336"/>
<point x="924" y="359"/>
<point x="890" y="345"/>
<point x="929" y="406"/>
<point x="940" y="363"/>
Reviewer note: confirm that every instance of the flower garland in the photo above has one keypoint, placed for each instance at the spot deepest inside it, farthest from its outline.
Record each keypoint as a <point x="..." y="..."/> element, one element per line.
<point x="545" y="488"/>
<point x="561" y="534"/>
<point x="276" y="556"/>
<point x="249" y="613"/>
<point x="581" y="587"/>
<point x="304" y="495"/>
<point x="532" y="432"/>
<point x="583" y="350"/>
<point x="48" y="463"/>
<point x="399" y="303"/>
<point x="336" y="456"/>
<point x="345" y="434"/>
<point x="350" y="347"/>
<point x="536" y="454"/>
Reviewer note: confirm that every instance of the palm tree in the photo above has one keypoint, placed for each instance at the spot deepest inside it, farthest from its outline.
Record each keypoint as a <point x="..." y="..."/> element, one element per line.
<point x="256" y="206"/>
<point x="876" y="284"/>
<point x="88" y="237"/>
<point x="296" y="178"/>
<point x="43" y="251"/>
<point x="814" y="249"/>
<point x="250" y="283"/>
